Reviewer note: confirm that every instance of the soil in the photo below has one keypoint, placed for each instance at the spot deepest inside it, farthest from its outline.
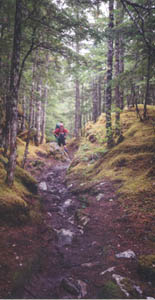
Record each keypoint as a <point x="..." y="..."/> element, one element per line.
<point x="65" y="255"/>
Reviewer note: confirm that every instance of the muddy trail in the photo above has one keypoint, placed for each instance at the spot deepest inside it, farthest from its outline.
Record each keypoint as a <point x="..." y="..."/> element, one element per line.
<point x="82" y="240"/>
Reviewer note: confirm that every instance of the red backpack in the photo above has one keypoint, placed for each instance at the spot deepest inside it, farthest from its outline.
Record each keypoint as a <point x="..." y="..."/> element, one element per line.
<point x="61" y="129"/>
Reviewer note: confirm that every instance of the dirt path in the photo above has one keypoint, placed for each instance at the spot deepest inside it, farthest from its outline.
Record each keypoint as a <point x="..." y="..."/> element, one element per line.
<point x="80" y="242"/>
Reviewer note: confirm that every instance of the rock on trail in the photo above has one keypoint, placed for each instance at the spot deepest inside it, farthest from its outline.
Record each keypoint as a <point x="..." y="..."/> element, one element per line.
<point x="83" y="251"/>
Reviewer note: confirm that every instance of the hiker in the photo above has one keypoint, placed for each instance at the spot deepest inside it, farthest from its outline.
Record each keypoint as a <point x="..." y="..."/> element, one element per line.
<point x="60" y="133"/>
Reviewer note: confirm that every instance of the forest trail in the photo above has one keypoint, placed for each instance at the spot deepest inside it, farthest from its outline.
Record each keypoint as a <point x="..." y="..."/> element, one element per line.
<point x="80" y="241"/>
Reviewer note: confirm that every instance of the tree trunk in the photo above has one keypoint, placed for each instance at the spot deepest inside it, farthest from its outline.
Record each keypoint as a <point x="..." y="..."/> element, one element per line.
<point x="121" y="53"/>
<point x="109" y="78"/>
<point x="77" y="127"/>
<point x="38" y="116"/>
<point x="121" y="71"/>
<point x="43" y="123"/>
<point x="147" y="92"/>
<point x="95" y="100"/>
<point x="117" y="73"/>
<point x="24" y="113"/>
<point x="12" y="97"/>
<point x="82" y="108"/>
<point x="7" y="126"/>
<point x="77" y="108"/>
<point x="31" y="104"/>
<point x="99" y="96"/>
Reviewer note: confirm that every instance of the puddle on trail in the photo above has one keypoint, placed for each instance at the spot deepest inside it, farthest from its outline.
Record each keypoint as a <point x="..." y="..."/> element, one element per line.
<point x="76" y="251"/>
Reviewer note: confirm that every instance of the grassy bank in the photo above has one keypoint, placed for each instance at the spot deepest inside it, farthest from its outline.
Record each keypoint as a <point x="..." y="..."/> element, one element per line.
<point x="129" y="164"/>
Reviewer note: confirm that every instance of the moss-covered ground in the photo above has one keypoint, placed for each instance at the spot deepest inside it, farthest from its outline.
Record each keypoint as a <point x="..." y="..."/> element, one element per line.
<point x="20" y="218"/>
<point x="130" y="164"/>
<point x="15" y="203"/>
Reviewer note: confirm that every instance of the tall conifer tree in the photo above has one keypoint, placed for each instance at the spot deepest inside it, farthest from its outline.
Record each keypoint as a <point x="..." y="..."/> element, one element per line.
<point x="12" y="98"/>
<point x="109" y="77"/>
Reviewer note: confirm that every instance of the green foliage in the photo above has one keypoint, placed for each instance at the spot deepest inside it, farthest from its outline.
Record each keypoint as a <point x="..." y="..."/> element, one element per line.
<point x="102" y="151"/>
<point x="146" y="266"/>
<point x="110" y="291"/>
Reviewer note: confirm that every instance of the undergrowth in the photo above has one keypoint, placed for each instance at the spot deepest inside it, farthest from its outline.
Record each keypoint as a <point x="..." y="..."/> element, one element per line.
<point x="19" y="203"/>
<point x="130" y="164"/>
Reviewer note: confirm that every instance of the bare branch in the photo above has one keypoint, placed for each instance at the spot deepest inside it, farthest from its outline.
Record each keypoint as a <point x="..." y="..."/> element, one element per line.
<point x="26" y="56"/>
<point x="135" y="5"/>
<point x="140" y="28"/>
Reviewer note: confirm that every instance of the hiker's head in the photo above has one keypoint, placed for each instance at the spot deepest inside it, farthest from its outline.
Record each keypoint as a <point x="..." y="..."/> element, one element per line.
<point x="61" y="125"/>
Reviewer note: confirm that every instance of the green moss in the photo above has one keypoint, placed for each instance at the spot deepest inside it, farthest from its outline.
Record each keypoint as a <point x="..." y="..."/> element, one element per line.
<point x="26" y="179"/>
<point x="10" y="197"/>
<point x="35" y="216"/>
<point x="38" y="164"/>
<point x="14" y="206"/>
<point x="146" y="265"/>
<point x="131" y="163"/>
<point x="13" y="209"/>
<point x="110" y="291"/>
<point x="32" y="265"/>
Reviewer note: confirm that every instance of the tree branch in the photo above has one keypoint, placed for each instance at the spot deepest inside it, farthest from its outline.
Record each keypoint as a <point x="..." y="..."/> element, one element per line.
<point x="26" y="56"/>
<point x="138" y="5"/>
<point x="140" y="28"/>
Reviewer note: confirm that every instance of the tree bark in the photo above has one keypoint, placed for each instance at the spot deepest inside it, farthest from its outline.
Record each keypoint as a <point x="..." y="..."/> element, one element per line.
<point x="12" y="97"/>
<point x="117" y="73"/>
<point x="99" y="95"/>
<point x="121" y="71"/>
<point x="31" y="104"/>
<point x="77" y="126"/>
<point x="109" y="134"/>
<point x="43" y="123"/>
<point x="24" y="113"/>
<point x="77" y="108"/>
<point x="38" y="115"/>
<point x="7" y="126"/>
<point x="95" y="100"/>
<point x="147" y="92"/>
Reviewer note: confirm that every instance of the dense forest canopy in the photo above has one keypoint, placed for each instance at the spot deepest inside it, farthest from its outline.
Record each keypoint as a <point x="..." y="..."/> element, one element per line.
<point x="70" y="61"/>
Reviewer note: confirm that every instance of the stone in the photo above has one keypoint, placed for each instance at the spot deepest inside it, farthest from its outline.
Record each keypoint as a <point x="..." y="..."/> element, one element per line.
<point x="99" y="197"/>
<point x="70" y="287"/>
<point x="43" y="186"/>
<point x="50" y="174"/>
<point x="127" y="286"/>
<point x="67" y="202"/>
<point x="65" y="237"/>
<point x="49" y="214"/>
<point x="84" y="220"/>
<point x="66" y="205"/>
<point x="126" y="254"/>
<point x="108" y="270"/>
<point x="71" y="220"/>
<point x="102" y="183"/>
<point x="90" y="264"/>
<point x="138" y="289"/>
<point x="119" y="279"/>
<point x="57" y="198"/>
<point x="83" y="288"/>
